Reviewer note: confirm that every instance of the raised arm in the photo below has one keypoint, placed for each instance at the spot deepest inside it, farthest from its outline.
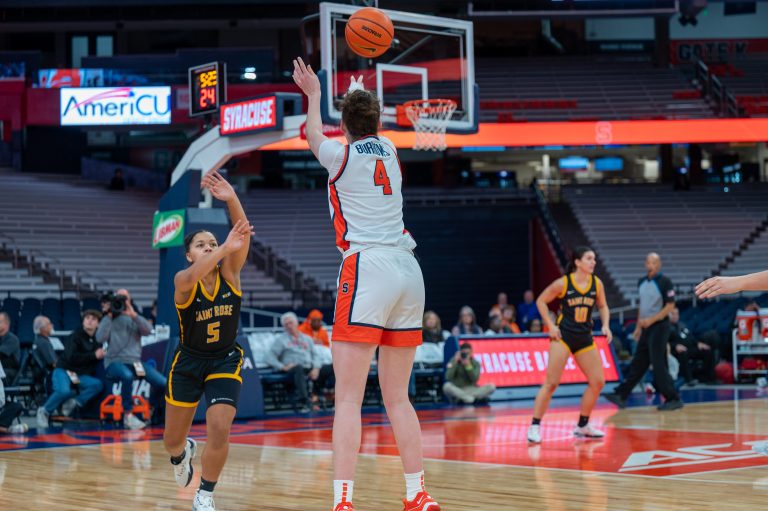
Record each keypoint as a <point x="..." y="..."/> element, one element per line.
<point x="309" y="84"/>
<point x="185" y="280"/>
<point x="727" y="285"/>
<point x="222" y="190"/>
<point x="555" y="290"/>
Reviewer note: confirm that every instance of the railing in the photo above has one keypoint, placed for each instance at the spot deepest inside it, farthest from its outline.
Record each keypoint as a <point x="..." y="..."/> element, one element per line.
<point x="79" y="284"/>
<point x="302" y="288"/>
<point x="252" y="313"/>
<point x="14" y="248"/>
<point x="549" y="224"/>
<point x="714" y="89"/>
<point x="46" y="265"/>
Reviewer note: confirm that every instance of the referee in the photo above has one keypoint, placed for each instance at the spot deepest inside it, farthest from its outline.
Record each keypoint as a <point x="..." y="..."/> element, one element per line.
<point x="657" y="299"/>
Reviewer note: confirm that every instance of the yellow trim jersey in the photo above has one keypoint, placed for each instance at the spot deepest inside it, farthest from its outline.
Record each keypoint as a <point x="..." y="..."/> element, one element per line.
<point x="208" y="323"/>
<point x="576" y="307"/>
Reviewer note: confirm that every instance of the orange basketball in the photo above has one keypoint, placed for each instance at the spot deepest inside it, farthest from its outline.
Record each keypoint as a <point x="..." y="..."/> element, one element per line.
<point x="369" y="32"/>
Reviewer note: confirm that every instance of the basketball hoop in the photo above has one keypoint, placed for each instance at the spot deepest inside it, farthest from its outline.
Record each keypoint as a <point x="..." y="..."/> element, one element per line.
<point x="429" y="118"/>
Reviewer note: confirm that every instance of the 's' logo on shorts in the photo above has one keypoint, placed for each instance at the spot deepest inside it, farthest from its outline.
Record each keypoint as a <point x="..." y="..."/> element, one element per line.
<point x="345" y="287"/>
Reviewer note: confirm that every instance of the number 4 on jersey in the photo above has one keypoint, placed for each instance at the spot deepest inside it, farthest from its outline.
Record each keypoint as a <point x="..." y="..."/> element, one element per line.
<point x="380" y="177"/>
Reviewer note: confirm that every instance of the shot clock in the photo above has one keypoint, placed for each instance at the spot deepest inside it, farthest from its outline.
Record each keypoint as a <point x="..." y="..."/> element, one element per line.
<point x="207" y="88"/>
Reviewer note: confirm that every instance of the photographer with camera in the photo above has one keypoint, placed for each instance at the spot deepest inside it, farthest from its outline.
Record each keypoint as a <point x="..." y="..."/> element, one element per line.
<point x="122" y="328"/>
<point x="462" y="375"/>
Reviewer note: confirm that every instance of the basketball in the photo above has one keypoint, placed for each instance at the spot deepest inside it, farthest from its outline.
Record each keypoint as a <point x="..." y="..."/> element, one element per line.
<point x="369" y="32"/>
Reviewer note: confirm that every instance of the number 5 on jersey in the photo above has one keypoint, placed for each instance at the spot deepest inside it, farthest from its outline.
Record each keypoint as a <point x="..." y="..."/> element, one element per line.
<point x="380" y="177"/>
<point x="213" y="332"/>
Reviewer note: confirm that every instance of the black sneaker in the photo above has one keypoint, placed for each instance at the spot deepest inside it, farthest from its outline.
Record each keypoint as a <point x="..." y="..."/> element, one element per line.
<point x="668" y="406"/>
<point x="616" y="399"/>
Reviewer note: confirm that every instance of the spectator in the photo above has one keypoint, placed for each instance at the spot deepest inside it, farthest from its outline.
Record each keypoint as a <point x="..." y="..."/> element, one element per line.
<point x="153" y="313"/>
<point x="76" y="366"/>
<point x="462" y="375"/>
<point x="10" y="348"/>
<point x="292" y="353"/>
<point x="10" y="413"/>
<point x="509" y="319"/>
<point x="122" y="330"/>
<point x="534" y="326"/>
<point x="432" y="329"/>
<point x="501" y="303"/>
<point x="685" y="349"/>
<point x="42" y="327"/>
<point x="467" y="324"/>
<point x="496" y="327"/>
<point x="313" y="327"/>
<point x="527" y="310"/>
<point x="657" y="299"/>
<point x="118" y="182"/>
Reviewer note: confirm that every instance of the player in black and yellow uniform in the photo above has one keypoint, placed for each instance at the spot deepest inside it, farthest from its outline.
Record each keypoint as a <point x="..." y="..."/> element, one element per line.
<point x="208" y="359"/>
<point x="580" y="291"/>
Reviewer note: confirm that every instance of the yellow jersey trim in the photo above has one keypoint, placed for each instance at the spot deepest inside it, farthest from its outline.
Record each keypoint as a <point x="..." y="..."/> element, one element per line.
<point x="217" y="376"/>
<point x="180" y="403"/>
<point x="190" y="299"/>
<point x="238" y="292"/>
<point x="215" y="287"/>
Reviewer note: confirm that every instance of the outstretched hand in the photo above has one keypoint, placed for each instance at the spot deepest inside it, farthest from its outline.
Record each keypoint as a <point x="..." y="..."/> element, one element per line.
<point x="305" y="78"/>
<point x="717" y="286"/>
<point x="236" y="238"/>
<point x="218" y="186"/>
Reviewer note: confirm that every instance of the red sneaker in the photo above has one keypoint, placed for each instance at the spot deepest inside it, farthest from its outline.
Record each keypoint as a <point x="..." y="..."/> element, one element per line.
<point x="344" y="506"/>
<point x="422" y="502"/>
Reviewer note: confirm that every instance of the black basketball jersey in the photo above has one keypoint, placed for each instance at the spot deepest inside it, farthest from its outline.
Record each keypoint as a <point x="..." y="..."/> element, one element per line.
<point x="576" y="306"/>
<point x="208" y="323"/>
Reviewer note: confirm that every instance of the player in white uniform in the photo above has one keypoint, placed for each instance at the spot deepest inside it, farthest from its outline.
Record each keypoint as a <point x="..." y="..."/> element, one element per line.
<point x="380" y="301"/>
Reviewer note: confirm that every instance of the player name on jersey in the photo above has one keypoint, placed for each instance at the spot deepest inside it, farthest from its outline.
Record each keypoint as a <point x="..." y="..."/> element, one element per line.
<point x="216" y="310"/>
<point x="372" y="147"/>
<point x="580" y="300"/>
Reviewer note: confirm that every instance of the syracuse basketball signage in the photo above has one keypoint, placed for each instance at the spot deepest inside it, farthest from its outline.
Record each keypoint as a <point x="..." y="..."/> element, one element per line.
<point x="97" y="106"/>
<point x="247" y="116"/>
<point x="262" y="113"/>
<point x="522" y="361"/>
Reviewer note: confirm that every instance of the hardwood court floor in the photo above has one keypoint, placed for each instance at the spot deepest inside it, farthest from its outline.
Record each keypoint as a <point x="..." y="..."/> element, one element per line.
<point x="477" y="459"/>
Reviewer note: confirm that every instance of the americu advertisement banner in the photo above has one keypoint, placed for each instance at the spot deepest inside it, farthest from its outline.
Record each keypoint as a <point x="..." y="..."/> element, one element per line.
<point x="121" y="106"/>
<point x="522" y="361"/>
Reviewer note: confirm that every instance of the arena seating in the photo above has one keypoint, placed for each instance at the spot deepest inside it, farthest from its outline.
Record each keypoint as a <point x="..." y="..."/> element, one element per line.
<point x="751" y="260"/>
<point x="584" y="88"/>
<point x="100" y="237"/>
<point x="692" y="231"/>
<point x="749" y="83"/>
<point x="20" y="284"/>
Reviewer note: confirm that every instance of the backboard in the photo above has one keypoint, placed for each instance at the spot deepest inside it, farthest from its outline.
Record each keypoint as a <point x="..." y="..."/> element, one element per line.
<point x="430" y="58"/>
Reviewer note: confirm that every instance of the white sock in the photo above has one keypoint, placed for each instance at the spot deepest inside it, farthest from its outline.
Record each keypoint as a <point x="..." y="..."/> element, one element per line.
<point x="342" y="491"/>
<point x="414" y="483"/>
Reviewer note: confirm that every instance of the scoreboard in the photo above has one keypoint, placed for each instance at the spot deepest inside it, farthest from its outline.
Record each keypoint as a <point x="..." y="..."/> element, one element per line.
<point x="207" y="88"/>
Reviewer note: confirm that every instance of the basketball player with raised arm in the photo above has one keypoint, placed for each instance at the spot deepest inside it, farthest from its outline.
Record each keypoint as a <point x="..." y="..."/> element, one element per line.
<point x="208" y="360"/>
<point x="380" y="301"/>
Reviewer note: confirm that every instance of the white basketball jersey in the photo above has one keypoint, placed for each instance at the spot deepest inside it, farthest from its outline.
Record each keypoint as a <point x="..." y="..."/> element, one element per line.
<point x="365" y="195"/>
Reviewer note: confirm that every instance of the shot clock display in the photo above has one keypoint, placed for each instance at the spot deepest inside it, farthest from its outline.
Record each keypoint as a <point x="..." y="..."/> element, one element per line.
<point x="207" y="88"/>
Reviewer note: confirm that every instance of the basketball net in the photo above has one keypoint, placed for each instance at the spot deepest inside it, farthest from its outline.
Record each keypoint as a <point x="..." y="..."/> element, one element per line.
<point x="429" y="118"/>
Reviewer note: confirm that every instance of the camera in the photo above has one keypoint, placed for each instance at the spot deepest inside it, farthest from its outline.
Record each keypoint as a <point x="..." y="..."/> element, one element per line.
<point x="464" y="355"/>
<point x="116" y="303"/>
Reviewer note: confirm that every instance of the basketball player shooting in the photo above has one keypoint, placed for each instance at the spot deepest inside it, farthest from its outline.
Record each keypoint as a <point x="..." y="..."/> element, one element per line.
<point x="380" y="300"/>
